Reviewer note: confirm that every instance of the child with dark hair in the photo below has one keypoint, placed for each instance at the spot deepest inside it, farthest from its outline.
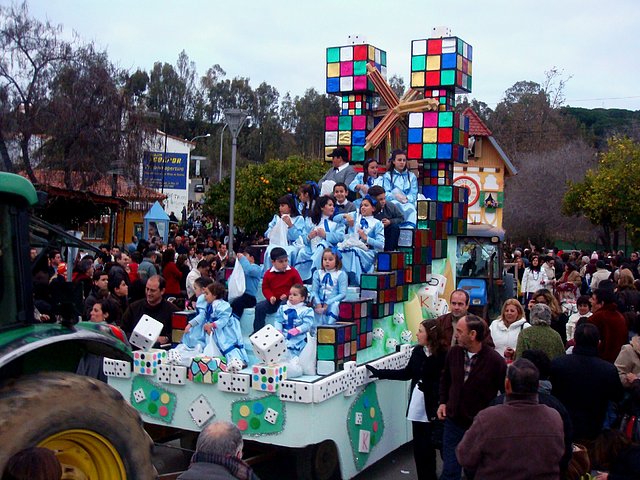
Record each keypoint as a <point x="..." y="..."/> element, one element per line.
<point x="365" y="179"/>
<point x="275" y="286"/>
<point x="320" y="232"/>
<point x="217" y="319"/>
<point x="584" y="310"/>
<point x="364" y="238"/>
<point x="401" y="186"/>
<point x="289" y="219"/>
<point x="342" y="205"/>
<point x="33" y="464"/>
<point x="308" y="193"/>
<point x="329" y="287"/>
<point x="295" y="319"/>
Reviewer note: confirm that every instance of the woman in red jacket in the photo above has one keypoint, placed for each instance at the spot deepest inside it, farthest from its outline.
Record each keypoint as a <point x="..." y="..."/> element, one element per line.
<point x="171" y="273"/>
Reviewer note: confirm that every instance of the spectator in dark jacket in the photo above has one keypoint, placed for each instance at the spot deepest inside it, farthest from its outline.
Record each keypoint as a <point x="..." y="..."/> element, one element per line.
<point x="611" y="325"/>
<point x="585" y="384"/>
<point x="219" y="455"/>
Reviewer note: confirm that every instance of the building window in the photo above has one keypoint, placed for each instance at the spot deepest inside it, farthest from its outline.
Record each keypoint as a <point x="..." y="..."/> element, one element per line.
<point x="94" y="231"/>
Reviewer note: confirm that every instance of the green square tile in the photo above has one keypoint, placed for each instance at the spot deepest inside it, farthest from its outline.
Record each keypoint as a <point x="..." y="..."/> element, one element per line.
<point x="360" y="67"/>
<point x="370" y="86"/>
<point x="456" y="136"/>
<point x="429" y="150"/>
<point x="383" y="58"/>
<point x="357" y="154"/>
<point x="369" y="282"/>
<point x="447" y="77"/>
<point x="460" y="46"/>
<point x="326" y="352"/>
<point x="344" y="122"/>
<point x="469" y="83"/>
<point x="333" y="55"/>
<point x="445" y="119"/>
<point x="418" y="63"/>
<point x="445" y="194"/>
<point x="423" y="225"/>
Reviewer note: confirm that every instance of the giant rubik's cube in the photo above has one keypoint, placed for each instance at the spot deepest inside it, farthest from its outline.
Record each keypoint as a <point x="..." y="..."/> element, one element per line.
<point x="440" y="68"/>
<point x="347" y="78"/>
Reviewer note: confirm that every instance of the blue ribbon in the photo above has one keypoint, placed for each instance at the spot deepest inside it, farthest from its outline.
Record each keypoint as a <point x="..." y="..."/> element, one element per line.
<point x="363" y="223"/>
<point x="370" y="181"/>
<point x="314" y="188"/>
<point x="336" y="252"/>
<point x="327" y="279"/>
<point x="373" y="201"/>
<point x="291" y="314"/>
<point x="326" y="226"/>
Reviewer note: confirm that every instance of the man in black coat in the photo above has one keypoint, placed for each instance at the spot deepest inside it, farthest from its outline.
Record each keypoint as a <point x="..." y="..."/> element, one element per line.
<point x="585" y="384"/>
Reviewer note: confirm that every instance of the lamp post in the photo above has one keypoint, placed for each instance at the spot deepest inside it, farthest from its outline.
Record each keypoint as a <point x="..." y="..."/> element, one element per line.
<point x="197" y="173"/>
<point x="220" y="167"/>
<point x="235" y="119"/>
<point x="200" y="136"/>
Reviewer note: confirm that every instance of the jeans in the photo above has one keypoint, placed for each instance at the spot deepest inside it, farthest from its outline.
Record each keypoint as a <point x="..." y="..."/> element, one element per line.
<point x="243" y="301"/>
<point x="263" y="309"/>
<point x="451" y="469"/>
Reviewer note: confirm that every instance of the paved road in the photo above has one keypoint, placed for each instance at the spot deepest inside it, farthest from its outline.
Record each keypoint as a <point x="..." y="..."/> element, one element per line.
<point x="398" y="465"/>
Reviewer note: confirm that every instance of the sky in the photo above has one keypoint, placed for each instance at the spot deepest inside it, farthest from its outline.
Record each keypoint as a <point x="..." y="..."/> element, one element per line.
<point x="595" y="44"/>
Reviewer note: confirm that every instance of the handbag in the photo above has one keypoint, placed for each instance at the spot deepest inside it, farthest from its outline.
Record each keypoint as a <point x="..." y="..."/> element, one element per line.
<point x="580" y="464"/>
<point x="278" y="234"/>
<point x="236" y="282"/>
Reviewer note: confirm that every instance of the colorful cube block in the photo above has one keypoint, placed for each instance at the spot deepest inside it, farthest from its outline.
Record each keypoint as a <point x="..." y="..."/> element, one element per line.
<point x="347" y="68"/>
<point x="147" y="362"/>
<point x="267" y="378"/>
<point x="441" y="63"/>
<point x="206" y="369"/>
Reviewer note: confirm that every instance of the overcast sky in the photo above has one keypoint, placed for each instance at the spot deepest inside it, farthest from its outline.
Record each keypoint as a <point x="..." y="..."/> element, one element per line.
<point x="283" y="42"/>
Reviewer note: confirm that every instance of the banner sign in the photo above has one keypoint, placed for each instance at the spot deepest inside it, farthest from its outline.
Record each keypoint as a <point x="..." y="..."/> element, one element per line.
<point x="173" y="169"/>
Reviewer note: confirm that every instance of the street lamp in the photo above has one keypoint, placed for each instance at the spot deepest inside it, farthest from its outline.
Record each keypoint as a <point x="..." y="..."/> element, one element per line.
<point x="235" y="119"/>
<point x="200" y="136"/>
<point x="220" y="167"/>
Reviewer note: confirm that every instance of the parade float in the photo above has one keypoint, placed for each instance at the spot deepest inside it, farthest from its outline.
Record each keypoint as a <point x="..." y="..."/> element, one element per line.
<point x="339" y="417"/>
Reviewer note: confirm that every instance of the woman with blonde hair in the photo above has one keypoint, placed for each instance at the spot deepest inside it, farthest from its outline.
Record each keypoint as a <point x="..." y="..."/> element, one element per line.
<point x="506" y="328"/>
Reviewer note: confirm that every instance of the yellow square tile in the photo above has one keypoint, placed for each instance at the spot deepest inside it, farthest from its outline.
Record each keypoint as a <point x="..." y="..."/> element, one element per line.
<point x="417" y="79"/>
<point x="433" y="62"/>
<point x="344" y="138"/>
<point x="459" y="62"/>
<point x="429" y="135"/>
<point x="333" y="70"/>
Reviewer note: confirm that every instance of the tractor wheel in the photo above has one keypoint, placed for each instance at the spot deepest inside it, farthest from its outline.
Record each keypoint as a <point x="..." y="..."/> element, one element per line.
<point x="93" y="431"/>
<point x="318" y="462"/>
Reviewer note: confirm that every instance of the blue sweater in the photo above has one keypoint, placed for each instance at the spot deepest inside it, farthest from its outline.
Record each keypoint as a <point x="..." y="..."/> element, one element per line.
<point x="252" y="276"/>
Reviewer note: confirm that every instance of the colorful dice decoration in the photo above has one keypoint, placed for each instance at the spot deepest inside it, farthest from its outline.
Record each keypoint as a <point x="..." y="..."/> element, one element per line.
<point x="441" y="63"/>
<point x="358" y="104"/>
<point x="147" y="363"/>
<point x="357" y="311"/>
<point x="267" y="378"/>
<point x="347" y="68"/>
<point x="206" y="369"/>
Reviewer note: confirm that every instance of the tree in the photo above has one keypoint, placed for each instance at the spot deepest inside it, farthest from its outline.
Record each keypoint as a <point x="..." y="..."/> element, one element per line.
<point x="608" y="195"/>
<point x="533" y="197"/>
<point x="481" y="108"/>
<point x="528" y="119"/>
<point x="261" y="185"/>
<point x="93" y="127"/>
<point x="396" y="83"/>
<point x="32" y="55"/>
<point x="311" y="110"/>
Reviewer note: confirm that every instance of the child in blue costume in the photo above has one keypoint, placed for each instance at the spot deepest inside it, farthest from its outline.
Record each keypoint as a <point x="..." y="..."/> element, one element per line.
<point x="329" y="288"/>
<point x="295" y="226"/>
<point x="365" y="237"/>
<point x="401" y="186"/>
<point x="307" y="197"/>
<point x="194" y="337"/>
<point x="252" y="276"/>
<point x="320" y="232"/>
<point x="365" y="179"/>
<point x="217" y="318"/>
<point x="295" y="319"/>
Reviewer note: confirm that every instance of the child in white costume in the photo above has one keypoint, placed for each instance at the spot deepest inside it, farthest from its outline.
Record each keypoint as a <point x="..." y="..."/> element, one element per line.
<point x="295" y="319"/>
<point x="401" y="186"/>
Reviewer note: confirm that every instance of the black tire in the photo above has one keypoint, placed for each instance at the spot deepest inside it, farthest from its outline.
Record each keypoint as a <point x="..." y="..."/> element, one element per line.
<point x="36" y="407"/>
<point x="318" y="462"/>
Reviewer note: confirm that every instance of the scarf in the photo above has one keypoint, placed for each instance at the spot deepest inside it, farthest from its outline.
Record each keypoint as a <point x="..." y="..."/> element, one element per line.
<point x="236" y="466"/>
